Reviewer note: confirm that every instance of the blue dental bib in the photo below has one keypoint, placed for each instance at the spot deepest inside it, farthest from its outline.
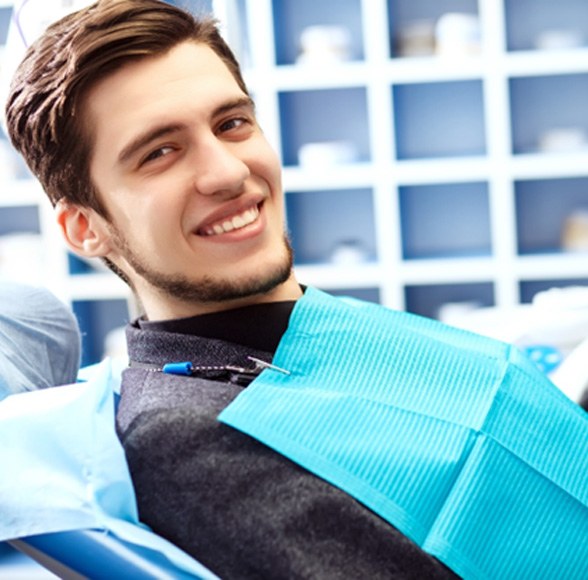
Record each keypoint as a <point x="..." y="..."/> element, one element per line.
<point x="455" y="439"/>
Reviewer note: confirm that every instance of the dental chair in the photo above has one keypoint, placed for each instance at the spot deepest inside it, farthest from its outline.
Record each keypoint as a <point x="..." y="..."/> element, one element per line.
<point x="96" y="554"/>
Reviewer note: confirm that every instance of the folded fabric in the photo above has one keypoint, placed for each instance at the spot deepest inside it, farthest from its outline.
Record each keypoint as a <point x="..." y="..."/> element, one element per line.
<point x="40" y="339"/>
<point x="457" y="440"/>
<point x="63" y="468"/>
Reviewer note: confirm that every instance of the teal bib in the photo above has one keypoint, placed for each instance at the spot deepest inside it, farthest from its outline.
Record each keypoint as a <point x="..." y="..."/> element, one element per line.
<point x="455" y="439"/>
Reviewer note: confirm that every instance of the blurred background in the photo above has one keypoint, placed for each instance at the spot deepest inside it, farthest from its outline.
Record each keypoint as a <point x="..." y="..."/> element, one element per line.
<point x="435" y="160"/>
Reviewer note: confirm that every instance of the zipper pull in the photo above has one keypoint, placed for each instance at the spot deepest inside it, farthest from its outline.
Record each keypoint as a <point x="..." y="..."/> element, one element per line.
<point x="178" y="368"/>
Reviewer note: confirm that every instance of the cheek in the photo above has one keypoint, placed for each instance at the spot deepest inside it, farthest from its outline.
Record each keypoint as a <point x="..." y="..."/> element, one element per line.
<point x="162" y="202"/>
<point x="146" y="222"/>
<point x="265" y="163"/>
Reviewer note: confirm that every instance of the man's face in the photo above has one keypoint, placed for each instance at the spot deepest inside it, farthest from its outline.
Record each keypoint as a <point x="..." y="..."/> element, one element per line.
<point x="191" y="185"/>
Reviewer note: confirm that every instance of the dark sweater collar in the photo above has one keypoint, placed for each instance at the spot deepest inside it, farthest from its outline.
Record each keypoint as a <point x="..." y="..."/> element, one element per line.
<point x="259" y="327"/>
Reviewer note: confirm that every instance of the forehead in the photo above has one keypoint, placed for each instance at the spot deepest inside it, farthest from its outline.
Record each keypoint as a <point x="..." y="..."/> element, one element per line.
<point x="188" y="58"/>
<point x="189" y="78"/>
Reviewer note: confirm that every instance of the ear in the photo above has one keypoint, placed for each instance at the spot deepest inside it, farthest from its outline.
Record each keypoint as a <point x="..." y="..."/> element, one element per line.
<point x="85" y="231"/>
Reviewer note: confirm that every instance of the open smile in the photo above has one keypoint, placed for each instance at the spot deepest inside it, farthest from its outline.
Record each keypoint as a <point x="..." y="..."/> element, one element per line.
<point x="229" y="224"/>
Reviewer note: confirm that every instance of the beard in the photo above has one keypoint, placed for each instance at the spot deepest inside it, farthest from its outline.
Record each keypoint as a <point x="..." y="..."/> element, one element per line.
<point x="207" y="289"/>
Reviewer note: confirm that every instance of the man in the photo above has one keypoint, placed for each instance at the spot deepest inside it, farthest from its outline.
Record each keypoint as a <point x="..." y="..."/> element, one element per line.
<point x="137" y="122"/>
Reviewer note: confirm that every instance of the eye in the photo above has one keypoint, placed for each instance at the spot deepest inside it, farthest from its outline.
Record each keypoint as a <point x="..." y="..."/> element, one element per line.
<point x="232" y="124"/>
<point x="157" y="153"/>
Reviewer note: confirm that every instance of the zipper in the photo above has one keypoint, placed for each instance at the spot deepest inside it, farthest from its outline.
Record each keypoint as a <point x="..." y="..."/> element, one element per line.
<point x="234" y="374"/>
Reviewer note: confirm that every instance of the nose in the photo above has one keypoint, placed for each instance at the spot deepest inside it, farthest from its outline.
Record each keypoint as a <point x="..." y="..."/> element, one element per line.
<point x="219" y="170"/>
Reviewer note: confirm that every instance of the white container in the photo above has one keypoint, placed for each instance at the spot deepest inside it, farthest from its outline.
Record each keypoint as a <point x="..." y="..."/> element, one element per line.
<point x="575" y="232"/>
<point x="458" y="34"/>
<point x="324" y="44"/>
<point x="417" y="38"/>
<point x="564" y="39"/>
<point x="563" y="139"/>
<point x="326" y="154"/>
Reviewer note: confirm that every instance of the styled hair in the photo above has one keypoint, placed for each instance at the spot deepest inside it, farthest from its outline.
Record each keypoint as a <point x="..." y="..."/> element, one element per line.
<point x="45" y="103"/>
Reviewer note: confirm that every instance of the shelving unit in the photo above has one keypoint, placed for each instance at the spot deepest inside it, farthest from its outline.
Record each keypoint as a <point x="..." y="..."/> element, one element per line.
<point x="461" y="162"/>
<point x="457" y="173"/>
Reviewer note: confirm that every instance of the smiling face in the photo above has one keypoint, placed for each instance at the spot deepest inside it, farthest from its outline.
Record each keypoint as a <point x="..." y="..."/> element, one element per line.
<point x="191" y="186"/>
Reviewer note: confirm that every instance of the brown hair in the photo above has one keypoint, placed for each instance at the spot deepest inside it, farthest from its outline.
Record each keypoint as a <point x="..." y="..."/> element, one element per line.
<point x="43" y="110"/>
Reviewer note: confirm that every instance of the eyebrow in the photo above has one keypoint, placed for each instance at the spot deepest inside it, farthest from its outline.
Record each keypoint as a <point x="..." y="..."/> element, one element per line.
<point x="144" y="139"/>
<point x="238" y="103"/>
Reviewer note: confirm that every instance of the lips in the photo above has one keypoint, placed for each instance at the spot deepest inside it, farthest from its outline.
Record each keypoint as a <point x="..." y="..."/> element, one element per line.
<point x="231" y="223"/>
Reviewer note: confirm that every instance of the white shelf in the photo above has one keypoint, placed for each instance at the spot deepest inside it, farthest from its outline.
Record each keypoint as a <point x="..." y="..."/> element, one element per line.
<point x="334" y="177"/>
<point x="449" y="271"/>
<point x="571" y="265"/>
<point x="550" y="165"/>
<point x="98" y="286"/>
<point x="450" y="170"/>
<point x="431" y="69"/>
<point x="546" y="62"/>
<point x="338" y="277"/>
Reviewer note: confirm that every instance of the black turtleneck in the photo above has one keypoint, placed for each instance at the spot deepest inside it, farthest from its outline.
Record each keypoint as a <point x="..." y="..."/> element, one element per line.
<point x="259" y="327"/>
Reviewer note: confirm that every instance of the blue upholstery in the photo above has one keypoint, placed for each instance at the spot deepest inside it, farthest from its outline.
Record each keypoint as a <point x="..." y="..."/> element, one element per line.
<point x="97" y="554"/>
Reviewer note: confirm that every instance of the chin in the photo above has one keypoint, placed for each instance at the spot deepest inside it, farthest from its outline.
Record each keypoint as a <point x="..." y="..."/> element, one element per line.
<point x="247" y="277"/>
<point x="250" y="279"/>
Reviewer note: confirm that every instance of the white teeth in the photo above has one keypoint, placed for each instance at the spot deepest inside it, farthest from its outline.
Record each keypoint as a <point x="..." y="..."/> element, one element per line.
<point x="235" y="223"/>
<point x="238" y="222"/>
